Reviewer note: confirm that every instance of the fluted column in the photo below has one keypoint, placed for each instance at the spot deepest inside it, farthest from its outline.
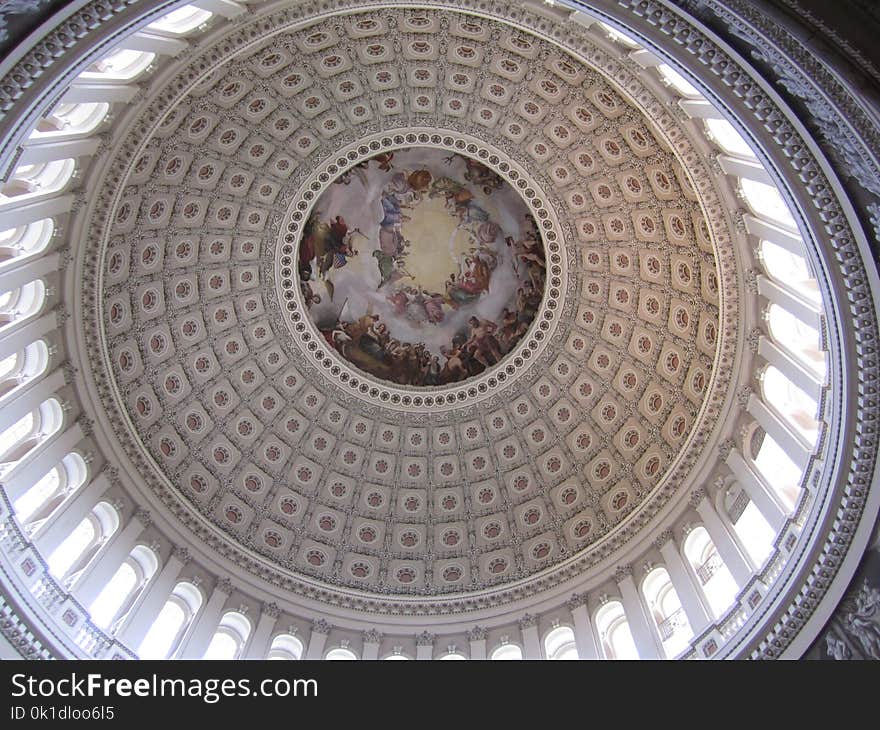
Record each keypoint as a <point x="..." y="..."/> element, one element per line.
<point x="425" y="646"/>
<point x="95" y="91"/>
<point x="99" y="572"/>
<point x="801" y="376"/>
<point x="54" y="530"/>
<point x="28" y="397"/>
<point x="528" y="626"/>
<point x="642" y="634"/>
<point x="318" y="639"/>
<point x="30" y="331"/>
<point x="477" y="640"/>
<point x="733" y="558"/>
<point x="792" y="443"/>
<point x="764" y="497"/>
<point x="697" y="612"/>
<point x="14" y="276"/>
<point x="258" y="647"/>
<point x="800" y="308"/>
<point x="584" y="638"/>
<point x="15" y="213"/>
<point x="47" y="150"/>
<point x="196" y="643"/>
<point x="145" y="611"/>
<point x="372" y="640"/>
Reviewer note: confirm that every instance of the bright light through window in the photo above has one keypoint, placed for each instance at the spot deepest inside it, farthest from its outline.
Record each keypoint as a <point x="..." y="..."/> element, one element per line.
<point x="677" y="81"/>
<point x="35" y="497"/>
<point x="726" y="136"/>
<point x="766" y="201"/>
<point x="157" y="644"/>
<point x="69" y="551"/>
<point x="111" y="598"/>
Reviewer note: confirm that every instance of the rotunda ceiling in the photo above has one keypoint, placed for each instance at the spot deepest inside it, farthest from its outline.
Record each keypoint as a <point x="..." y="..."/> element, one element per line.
<point x="410" y="301"/>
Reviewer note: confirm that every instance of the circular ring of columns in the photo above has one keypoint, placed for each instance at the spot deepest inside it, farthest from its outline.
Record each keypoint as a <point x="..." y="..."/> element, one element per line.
<point x="697" y="579"/>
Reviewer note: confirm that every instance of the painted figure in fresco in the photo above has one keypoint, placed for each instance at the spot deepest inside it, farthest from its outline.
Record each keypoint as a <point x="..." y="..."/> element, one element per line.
<point x="483" y="343"/>
<point x="481" y="175"/>
<point x="327" y="243"/>
<point x="376" y="346"/>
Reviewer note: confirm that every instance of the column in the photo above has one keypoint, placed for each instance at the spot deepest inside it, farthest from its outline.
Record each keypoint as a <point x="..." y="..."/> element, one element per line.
<point x="584" y="638"/>
<point x="477" y="640"/>
<point x="196" y="643"/>
<point x="792" y="303"/>
<point x="700" y="109"/>
<point x="759" y="491"/>
<point x="698" y="614"/>
<point x="44" y="456"/>
<point x="733" y="558"/>
<point x="29" y="397"/>
<point x="749" y="169"/>
<point x="154" y="41"/>
<point x="643" y="635"/>
<point x="318" y="639"/>
<point x="104" y="567"/>
<point x="30" y="331"/>
<point x="15" y="213"/>
<point x="528" y="626"/>
<point x="258" y="647"/>
<point x="425" y="646"/>
<point x="54" y="530"/>
<point x="793" y="444"/>
<point x="139" y="620"/>
<point x="764" y="229"/>
<point x="87" y="92"/>
<point x="372" y="640"/>
<point x="38" y="151"/>
<point x="16" y="276"/>
<point x="802" y="377"/>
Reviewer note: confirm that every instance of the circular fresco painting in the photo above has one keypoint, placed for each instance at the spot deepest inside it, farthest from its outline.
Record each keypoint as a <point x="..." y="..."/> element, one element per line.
<point x="421" y="267"/>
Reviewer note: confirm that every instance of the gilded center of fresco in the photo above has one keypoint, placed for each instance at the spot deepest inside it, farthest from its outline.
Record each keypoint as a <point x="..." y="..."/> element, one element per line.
<point x="421" y="267"/>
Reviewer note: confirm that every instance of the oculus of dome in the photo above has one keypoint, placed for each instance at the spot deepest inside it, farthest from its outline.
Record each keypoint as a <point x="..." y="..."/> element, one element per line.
<point x="421" y="267"/>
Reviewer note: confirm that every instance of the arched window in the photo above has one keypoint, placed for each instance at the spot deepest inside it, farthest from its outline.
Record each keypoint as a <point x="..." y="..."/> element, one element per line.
<point x="82" y="544"/>
<point x="676" y="81"/>
<point x="766" y="202"/>
<point x="121" y="65"/>
<point x="669" y="617"/>
<point x="69" y="120"/>
<point x="171" y="624"/>
<point x="794" y="406"/>
<point x="21" y="304"/>
<point x="230" y="637"/>
<point x="181" y="21"/>
<point x="38" y="180"/>
<point x="44" y="497"/>
<point x="22" y="367"/>
<point x="614" y="634"/>
<point x="285" y="646"/>
<point x="341" y="654"/>
<point x="32" y="429"/>
<point x="451" y="657"/>
<point x="791" y="270"/>
<point x="506" y="652"/>
<point x="18" y="243"/>
<point x="728" y="139"/>
<point x="717" y="583"/>
<point x="397" y="656"/>
<point x="799" y="339"/>
<point x="560" y="644"/>
<point x="117" y="596"/>
<point x="618" y="37"/>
